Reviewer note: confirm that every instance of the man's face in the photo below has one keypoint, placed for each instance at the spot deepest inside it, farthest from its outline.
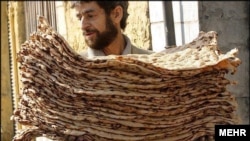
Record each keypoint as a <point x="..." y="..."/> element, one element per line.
<point x="98" y="29"/>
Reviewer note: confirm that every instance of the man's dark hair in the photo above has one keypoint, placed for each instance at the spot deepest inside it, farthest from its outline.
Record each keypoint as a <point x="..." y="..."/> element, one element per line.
<point x="108" y="6"/>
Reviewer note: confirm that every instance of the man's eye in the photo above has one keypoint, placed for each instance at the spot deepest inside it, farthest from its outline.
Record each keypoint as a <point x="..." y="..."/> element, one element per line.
<point x="90" y="16"/>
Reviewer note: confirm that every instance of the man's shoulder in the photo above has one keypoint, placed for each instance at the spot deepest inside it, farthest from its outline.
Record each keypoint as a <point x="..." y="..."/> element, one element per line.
<point x="137" y="50"/>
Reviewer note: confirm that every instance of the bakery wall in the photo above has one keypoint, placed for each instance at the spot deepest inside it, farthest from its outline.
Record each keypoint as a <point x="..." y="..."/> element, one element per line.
<point x="231" y="21"/>
<point x="138" y="24"/>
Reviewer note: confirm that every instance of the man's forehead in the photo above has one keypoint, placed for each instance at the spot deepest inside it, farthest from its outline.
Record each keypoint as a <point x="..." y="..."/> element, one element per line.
<point x="86" y="7"/>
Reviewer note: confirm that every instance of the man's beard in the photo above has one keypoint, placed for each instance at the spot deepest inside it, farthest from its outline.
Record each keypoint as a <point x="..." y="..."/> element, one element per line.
<point x="103" y="39"/>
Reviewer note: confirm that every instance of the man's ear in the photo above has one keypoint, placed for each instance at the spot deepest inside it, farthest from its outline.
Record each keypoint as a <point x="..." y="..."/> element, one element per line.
<point x="117" y="14"/>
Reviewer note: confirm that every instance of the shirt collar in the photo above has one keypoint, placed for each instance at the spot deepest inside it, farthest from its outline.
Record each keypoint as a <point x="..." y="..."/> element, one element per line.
<point x="94" y="52"/>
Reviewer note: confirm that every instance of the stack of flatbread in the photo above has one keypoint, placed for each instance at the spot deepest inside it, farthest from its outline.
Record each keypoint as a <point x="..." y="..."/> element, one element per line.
<point x="178" y="94"/>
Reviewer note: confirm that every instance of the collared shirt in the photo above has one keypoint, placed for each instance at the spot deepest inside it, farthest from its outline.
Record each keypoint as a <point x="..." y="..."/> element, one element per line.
<point x="129" y="49"/>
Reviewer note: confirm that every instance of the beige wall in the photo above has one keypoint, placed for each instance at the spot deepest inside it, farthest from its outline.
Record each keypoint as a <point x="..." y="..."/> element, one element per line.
<point x="138" y="28"/>
<point x="73" y="29"/>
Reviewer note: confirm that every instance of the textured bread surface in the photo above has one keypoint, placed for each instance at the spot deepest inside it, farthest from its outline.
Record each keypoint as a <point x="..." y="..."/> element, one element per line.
<point x="178" y="94"/>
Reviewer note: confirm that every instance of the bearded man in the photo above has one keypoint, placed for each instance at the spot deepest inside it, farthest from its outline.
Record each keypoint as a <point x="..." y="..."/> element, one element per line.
<point x="102" y="24"/>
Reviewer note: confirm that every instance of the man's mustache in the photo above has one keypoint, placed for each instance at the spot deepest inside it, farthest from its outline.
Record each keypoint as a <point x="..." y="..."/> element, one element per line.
<point x="87" y="31"/>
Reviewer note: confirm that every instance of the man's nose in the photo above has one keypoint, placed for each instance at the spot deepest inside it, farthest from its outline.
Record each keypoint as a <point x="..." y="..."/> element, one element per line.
<point x="84" y="23"/>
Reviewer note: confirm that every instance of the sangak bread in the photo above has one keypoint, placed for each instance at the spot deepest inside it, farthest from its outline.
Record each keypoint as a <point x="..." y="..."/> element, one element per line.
<point x="178" y="94"/>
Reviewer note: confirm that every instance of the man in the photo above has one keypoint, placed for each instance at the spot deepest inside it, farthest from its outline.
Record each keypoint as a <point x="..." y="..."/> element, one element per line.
<point x="102" y="23"/>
